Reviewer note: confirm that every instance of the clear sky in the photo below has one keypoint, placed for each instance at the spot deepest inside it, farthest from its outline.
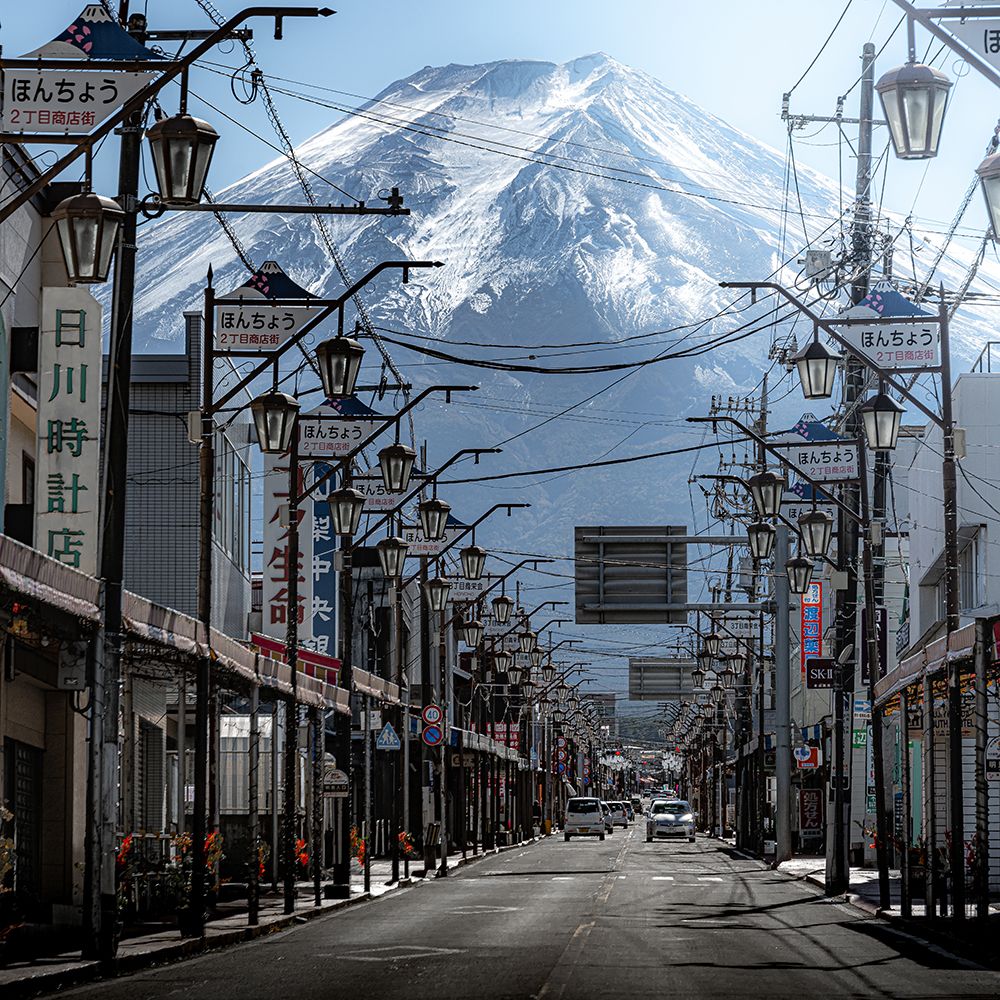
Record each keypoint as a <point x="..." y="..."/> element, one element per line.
<point x="734" y="57"/>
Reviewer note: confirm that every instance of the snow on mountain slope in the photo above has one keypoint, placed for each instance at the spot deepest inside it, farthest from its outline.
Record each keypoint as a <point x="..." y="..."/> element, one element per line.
<point x="653" y="202"/>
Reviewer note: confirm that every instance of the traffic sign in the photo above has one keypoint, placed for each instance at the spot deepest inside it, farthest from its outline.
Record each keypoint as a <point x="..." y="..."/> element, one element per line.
<point x="807" y="757"/>
<point x="432" y="715"/>
<point x="432" y="735"/>
<point x="387" y="739"/>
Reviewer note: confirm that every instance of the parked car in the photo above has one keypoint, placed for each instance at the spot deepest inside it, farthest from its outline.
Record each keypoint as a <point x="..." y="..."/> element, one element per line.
<point x="670" y="818"/>
<point x="609" y="825"/>
<point x="584" y="818"/>
<point x="619" y="814"/>
<point x="637" y="803"/>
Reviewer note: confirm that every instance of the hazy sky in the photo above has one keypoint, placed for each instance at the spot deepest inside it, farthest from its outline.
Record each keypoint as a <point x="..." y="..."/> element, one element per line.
<point x="734" y="57"/>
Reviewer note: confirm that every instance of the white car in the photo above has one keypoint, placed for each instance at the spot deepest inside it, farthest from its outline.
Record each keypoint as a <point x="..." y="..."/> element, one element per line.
<point x="584" y="818"/>
<point x="619" y="814"/>
<point x="669" y="818"/>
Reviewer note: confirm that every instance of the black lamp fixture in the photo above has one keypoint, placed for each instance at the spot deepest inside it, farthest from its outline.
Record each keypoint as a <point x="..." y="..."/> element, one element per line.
<point x="436" y="591"/>
<point x="471" y="631"/>
<point x="527" y="641"/>
<point x="503" y="660"/>
<point x="433" y="515"/>
<point x="704" y="658"/>
<point x="274" y="416"/>
<point x="536" y="657"/>
<point x="392" y="555"/>
<point x="396" y="462"/>
<point x="182" y="148"/>
<point x="713" y="643"/>
<point x="914" y="98"/>
<point x="800" y="571"/>
<point x="766" y="489"/>
<point x="502" y="607"/>
<point x="817" y="367"/>
<point x="718" y="692"/>
<point x="760" y="537"/>
<point x="473" y="559"/>
<point x="816" y="531"/>
<point x="728" y="677"/>
<point x="881" y="416"/>
<point x="697" y="677"/>
<point x="548" y="672"/>
<point x="346" y="505"/>
<point x="339" y="360"/>
<point x="87" y="225"/>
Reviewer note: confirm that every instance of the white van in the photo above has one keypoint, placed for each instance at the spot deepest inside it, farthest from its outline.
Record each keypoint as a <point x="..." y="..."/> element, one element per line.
<point x="584" y="818"/>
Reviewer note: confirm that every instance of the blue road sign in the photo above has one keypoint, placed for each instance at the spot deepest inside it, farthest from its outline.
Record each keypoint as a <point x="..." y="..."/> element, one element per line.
<point x="387" y="739"/>
<point x="432" y="735"/>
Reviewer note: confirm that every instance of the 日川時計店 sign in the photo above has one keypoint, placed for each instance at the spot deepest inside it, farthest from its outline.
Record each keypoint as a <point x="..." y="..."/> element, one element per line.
<point x="64" y="102"/>
<point x="67" y="498"/>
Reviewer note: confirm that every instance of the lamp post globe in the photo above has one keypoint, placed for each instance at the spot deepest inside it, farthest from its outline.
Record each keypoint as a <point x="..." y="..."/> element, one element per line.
<point x="433" y="515"/>
<point x="502" y="661"/>
<point x="704" y="658"/>
<point x="515" y="673"/>
<point x="766" y="489"/>
<point x="713" y="643"/>
<point x="436" y="590"/>
<point x="274" y="416"/>
<point x="473" y="559"/>
<point x="817" y="367"/>
<point x="728" y="677"/>
<point x="527" y="641"/>
<point x="346" y="505"/>
<point x="697" y="677"/>
<point x="392" y="555"/>
<point x="536" y="657"/>
<point x="914" y="98"/>
<point x="800" y="571"/>
<point x="760" y="537"/>
<point x="87" y="225"/>
<point x="574" y="701"/>
<point x="881" y="416"/>
<point x="181" y="147"/>
<point x="718" y="692"/>
<point x="502" y="607"/>
<point x="737" y="663"/>
<point x="396" y="462"/>
<point x="472" y="632"/>
<point x="339" y="360"/>
<point x="989" y="181"/>
<point x="548" y="672"/>
<point x="816" y="531"/>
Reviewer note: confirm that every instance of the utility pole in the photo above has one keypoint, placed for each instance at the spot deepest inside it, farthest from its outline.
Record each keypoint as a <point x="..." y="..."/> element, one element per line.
<point x="782" y="703"/>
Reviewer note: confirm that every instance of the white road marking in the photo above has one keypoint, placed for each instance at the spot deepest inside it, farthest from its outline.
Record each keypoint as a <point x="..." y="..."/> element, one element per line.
<point x="663" y="878"/>
<point x="709" y="878"/>
<point x="563" y="878"/>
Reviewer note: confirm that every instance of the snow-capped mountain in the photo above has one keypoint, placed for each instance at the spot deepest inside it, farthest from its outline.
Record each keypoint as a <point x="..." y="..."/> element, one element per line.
<point x="576" y="203"/>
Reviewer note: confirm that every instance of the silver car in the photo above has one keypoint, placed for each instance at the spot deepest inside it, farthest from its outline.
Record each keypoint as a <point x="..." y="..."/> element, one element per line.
<point x="669" y="818"/>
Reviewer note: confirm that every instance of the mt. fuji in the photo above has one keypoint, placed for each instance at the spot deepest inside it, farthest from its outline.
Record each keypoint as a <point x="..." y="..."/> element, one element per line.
<point x="581" y="203"/>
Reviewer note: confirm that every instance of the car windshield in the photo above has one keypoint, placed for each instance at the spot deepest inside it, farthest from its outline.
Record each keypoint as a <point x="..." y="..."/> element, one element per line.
<point x="670" y="807"/>
<point x="582" y="806"/>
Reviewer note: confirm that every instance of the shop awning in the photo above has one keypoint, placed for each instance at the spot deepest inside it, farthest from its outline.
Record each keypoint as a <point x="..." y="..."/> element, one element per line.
<point x="932" y="658"/>
<point x="26" y="571"/>
<point x="374" y="686"/>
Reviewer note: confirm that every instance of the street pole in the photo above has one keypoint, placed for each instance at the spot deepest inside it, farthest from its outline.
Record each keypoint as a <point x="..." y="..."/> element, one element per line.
<point x="782" y="704"/>
<point x="342" y="863"/>
<point x="291" y="656"/>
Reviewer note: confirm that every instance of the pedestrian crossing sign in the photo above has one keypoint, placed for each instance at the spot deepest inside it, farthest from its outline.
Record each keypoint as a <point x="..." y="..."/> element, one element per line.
<point x="387" y="739"/>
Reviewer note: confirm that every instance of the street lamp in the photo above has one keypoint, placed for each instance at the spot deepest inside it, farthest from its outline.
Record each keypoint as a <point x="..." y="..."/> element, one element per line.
<point x="433" y="518"/>
<point x="87" y="225"/>
<point x="548" y="672"/>
<point x="817" y="366"/>
<point x="766" y="489"/>
<point x="515" y="673"/>
<point x="392" y="555"/>
<point x="704" y="658"/>
<point x="914" y="98"/>
<point x="527" y="641"/>
<point x="760" y="536"/>
<point x="396" y="461"/>
<point x="339" y="360"/>
<point x="697" y="677"/>
<point x="713" y="643"/>
<point x="800" y="571"/>
<point x="737" y="662"/>
<point x="471" y="631"/>
<point x="274" y="415"/>
<point x="182" y="148"/>
<point x="728" y="677"/>
<point x="536" y="658"/>
<point x="436" y="591"/>
<point x="502" y="607"/>
<point x="718" y="693"/>
<point x="346" y="505"/>
<point x="473" y="558"/>
<point x="816" y="530"/>
<point x="989" y="181"/>
<point x="881" y="416"/>
<point x="502" y="661"/>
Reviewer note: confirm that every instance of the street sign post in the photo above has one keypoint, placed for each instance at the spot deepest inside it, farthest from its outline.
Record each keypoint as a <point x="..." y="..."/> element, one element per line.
<point x="387" y="739"/>
<point x="432" y="735"/>
<point x="432" y="715"/>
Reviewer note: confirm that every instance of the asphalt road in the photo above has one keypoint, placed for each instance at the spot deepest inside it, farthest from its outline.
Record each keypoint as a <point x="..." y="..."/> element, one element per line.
<point x="584" y="920"/>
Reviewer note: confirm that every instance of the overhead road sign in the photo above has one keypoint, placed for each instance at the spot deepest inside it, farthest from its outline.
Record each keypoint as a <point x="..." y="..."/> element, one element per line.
<point x="659" y="679"/>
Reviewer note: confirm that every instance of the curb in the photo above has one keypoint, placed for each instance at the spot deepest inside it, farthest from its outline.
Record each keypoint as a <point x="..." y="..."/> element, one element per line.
<point x="86" y="972"/>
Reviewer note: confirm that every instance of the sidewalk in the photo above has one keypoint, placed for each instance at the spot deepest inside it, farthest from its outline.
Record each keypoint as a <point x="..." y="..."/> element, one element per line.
<point x="31" y="977"/>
